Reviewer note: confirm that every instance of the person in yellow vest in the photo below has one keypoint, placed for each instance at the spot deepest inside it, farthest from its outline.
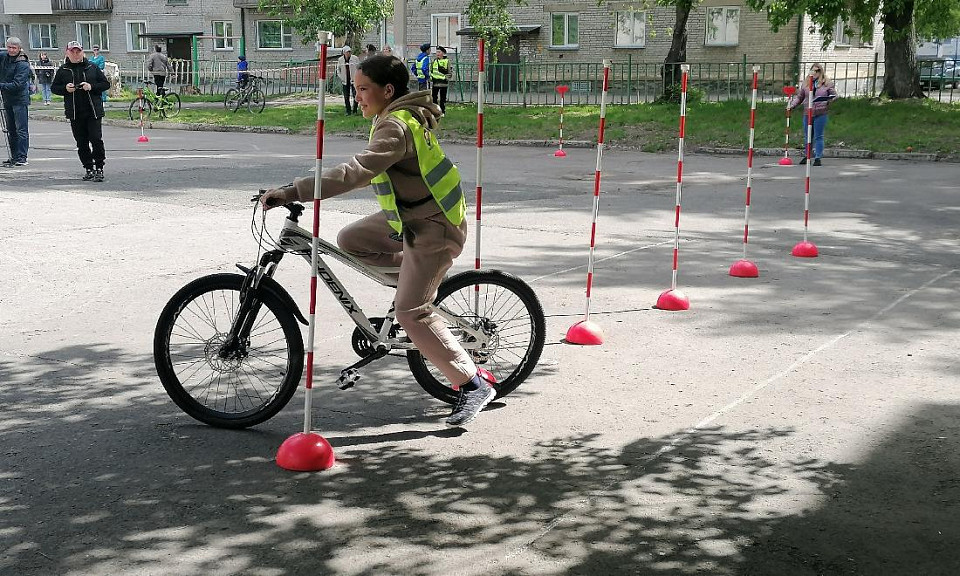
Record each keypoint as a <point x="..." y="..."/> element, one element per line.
<point x="421" y="226"/>
<point x="440" y="75"/>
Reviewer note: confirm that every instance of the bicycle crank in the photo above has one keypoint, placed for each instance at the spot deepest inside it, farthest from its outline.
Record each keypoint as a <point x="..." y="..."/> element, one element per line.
<point x="350" y="374"/>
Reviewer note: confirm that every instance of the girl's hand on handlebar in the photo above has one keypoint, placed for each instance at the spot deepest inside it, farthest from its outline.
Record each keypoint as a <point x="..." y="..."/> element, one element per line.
<point x="277" y="197"/>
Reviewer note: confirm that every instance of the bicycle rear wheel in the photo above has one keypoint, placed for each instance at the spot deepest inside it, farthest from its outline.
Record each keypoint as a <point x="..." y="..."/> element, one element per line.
<point x="509" y="314"/>
<point x="234" y="388"/>
<point x="257" y="101"/>
<point x="135" y="108"/>
<point x="171" y="108"/>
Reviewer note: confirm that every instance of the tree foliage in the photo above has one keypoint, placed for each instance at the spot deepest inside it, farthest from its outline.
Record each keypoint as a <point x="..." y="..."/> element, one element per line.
<point x="492" y="20"/>
<point x="342" y="17"/>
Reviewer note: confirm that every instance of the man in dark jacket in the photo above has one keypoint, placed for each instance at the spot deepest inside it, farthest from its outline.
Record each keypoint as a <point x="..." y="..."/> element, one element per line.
<point x="81" y="83"/>
<point x="15" y="89"/>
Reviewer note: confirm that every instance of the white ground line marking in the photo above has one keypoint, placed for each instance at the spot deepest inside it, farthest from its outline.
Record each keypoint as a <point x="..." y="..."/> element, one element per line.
<point x="743" y="398"/>
<point x="601" y="260"/>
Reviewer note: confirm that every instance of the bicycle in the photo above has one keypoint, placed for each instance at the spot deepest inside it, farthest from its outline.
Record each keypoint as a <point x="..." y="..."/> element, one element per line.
<point x="229" y="352"/>
<point x="166" y="105"/>
<point x="249" y="94"/>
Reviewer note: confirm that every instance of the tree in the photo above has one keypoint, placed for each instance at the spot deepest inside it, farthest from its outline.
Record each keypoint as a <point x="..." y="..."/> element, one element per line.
<point x="899" y="17"/>
<point x="492" y="21"/>
<point x="348" y="18"/>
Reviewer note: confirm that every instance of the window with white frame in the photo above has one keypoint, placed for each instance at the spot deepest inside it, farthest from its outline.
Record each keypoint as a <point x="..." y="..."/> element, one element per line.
<point x="443" y="30"/>
<point x="273" y="35"/>
<point x="43" y="36"/>
<point x="93" y="34"/>
<point x="631" y="29"/>
<point x="4" y="34"/>
<point x="564" y="30"/>
<point x="723" y="26"/>
<point x="135" y="39"/>
<point x="840" y="36"/>
<point x="222" y="35"/>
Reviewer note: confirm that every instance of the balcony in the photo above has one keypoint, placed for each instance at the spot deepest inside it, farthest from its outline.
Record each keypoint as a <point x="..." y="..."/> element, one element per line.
<point x="61" y="6"/>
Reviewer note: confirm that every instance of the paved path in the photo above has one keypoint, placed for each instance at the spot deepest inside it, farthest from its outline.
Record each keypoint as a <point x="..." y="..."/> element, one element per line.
<point x="806" y="422"/>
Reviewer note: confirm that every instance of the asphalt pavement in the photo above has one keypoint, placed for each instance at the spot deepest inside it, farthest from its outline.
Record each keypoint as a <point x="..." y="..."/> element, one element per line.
<point x="803" y="422"/>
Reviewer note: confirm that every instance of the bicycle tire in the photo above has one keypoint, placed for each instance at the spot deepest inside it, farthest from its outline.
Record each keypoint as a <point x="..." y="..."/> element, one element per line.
<point x="172" y="109"/>
<point x="229" y="98"/>
<point x="135" y="109"/>
<point x="256" y="101"/>
<point x="181" y="350"/>
<point x="513" y="317"/>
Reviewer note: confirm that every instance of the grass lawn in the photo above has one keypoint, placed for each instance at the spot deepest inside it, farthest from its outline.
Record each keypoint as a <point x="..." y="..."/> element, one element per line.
<point x="879" y="126"/>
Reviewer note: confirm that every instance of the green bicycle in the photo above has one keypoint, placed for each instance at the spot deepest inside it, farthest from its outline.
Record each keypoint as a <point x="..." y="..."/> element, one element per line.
<point x="166" y="105"/>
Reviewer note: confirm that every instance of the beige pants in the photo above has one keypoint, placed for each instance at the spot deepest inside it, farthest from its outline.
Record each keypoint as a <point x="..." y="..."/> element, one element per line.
<point x="429" y="246"/>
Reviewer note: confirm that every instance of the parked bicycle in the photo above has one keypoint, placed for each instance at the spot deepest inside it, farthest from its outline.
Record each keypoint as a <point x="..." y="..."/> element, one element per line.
<point x="165" y="105"/>
<point x="229" y="352"/>
<point x="249" y="94"/>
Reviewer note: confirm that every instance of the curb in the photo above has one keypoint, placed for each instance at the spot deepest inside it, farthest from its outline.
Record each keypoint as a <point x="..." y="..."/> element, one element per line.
<point x="718" y="150"/>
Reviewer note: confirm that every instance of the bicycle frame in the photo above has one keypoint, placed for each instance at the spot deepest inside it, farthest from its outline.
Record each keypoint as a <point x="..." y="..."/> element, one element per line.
<point x="295" y="240"/>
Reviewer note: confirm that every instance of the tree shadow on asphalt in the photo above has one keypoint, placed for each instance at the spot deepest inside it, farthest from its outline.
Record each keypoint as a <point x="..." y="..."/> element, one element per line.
<point x="99" y="477"/>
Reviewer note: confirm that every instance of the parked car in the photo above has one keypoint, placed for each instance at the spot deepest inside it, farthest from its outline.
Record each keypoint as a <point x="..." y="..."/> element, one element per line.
<point x="937" y="74"/>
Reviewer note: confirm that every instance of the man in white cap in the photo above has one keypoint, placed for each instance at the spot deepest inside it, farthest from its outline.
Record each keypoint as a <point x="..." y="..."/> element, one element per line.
<point x="81" y="83"/>
<point x="346" y="67"/>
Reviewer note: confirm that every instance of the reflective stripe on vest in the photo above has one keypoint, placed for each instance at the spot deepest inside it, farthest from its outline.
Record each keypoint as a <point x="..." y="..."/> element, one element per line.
<point x="438" y="172"/>
<point x="435" y="72"/>
<point x="420" y="75"/>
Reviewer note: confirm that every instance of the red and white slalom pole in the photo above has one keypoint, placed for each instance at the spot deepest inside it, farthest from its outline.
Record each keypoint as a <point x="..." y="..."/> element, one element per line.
<point x="307" y="450"/>
<point x="481" y="83"/>
<point x="586" y="331"/>
<point x="744" y="268"/>
<point x="143" y="137"/>
<point x="674" y="299"/>
<point x="561" y="90"/>
<point x="807" y="249"/>
<point x="788" y="91"/>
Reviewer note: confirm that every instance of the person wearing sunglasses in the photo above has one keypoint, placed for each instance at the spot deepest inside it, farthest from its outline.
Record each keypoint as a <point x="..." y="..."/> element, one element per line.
<point x="824" y="92"/>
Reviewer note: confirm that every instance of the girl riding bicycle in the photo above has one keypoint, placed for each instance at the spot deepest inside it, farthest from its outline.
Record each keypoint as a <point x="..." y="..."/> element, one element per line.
<point x="421" y="227"/>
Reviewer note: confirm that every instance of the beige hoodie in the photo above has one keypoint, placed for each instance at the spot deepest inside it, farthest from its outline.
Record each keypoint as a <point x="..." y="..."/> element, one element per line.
<point x="390" y="150"/>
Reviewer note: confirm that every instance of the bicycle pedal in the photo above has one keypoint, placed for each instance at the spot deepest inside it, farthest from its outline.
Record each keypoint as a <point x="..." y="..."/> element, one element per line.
<point x="347" y="379"/>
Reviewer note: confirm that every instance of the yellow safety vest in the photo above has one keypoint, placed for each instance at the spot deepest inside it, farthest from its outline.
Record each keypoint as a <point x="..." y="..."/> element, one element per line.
<point x="438" y="172"/>
<point x="420" y="75"/>
<point x="435" y="72"/>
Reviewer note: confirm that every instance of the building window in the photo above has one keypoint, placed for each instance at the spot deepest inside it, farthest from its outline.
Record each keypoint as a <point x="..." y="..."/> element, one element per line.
<point x="840" y="35"/>
<point x="135" y="40"/>
<point x="631" y="29"/>
<point x="93" y="34"/>
<point x="273" y="35"/>
<point x="443" y="30"/>
<point x="723" y="26"/>
<point x="4" y="33"/>
<point x="222" y="35"/>
<point x="43" y="36"/>
<point x="564" y="30"/>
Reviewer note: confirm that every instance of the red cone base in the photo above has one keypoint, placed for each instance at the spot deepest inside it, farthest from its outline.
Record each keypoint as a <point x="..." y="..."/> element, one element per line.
<point x="560" y="154"/>
<point x="744" y="269"/>
<point x="786" y="161"/>
<point x="143" y="139"/>
<point x="305" y="453"/>
<point x="585" y="333"/>
<point x="805" y="250"/>
<point x="673" y="300"/>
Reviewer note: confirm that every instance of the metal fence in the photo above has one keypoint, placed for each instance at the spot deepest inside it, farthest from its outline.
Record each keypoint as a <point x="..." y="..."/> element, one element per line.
<point x="533" y="83"/>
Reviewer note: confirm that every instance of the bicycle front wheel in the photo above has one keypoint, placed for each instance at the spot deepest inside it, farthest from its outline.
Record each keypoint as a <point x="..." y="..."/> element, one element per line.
<point x="230" y="99"/>
<point x="257" y="101"/>
<point x="171" y="106"/>
<point x="227" y="387"/>
<point x="506" y="310"/>
<point x="135" y="108"/>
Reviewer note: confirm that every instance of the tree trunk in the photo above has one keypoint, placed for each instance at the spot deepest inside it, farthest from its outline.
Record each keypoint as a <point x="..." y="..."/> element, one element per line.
<point x="677" y="53"/>
<point x="901" y="76"/>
